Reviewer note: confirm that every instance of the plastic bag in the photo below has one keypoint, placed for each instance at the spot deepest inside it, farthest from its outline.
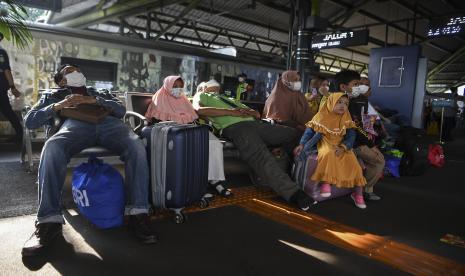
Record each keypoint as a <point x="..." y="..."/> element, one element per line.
<point x="392" y="160"/>
<point x="98" y="191"/>
<point x="436" y="155"/>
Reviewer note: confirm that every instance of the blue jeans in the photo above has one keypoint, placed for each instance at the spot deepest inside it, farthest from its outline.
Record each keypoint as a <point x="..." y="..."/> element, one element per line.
<point x="73" y="137"/>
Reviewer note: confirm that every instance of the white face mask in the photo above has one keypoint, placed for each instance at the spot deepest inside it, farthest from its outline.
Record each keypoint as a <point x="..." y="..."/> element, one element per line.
<point x="177" y="92"/>
<point x="296" y="85"/>
<point x="241" y="79"/>
<point x="355" y="92"/>
<point x="363" y="88"/>
<point x="323" y="90"/>
<point x="75" y="79"/>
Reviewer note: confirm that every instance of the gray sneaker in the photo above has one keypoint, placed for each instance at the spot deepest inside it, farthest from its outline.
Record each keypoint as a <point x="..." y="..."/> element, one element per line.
<point x="372" y="196"/>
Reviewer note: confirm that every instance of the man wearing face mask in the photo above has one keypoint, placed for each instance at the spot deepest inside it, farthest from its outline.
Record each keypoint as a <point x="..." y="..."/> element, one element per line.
<point x="287" y="105"/>
<point x="72" y="137"/>
<point x="364" y="87"/>
<point x="252" y="137"/>
<point x="348" y="81"/>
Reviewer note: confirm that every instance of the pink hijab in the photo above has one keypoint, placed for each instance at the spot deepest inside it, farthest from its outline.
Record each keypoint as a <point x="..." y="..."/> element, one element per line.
<point x="165" y="107"/>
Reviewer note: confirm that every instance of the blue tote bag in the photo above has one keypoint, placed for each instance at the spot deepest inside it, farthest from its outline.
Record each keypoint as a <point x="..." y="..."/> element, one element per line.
<point x="98" y="191"/>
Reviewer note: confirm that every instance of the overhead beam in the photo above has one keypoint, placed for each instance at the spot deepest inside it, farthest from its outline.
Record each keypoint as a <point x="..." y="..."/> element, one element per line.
<point x="195" y="38"/>
<point x="124" y="23"/>
<point x="176" y="34"/>
<point x="149" y="22"/>
<point x="395" y="26"/>
<point x="181" y="15"/>
<point x="263" y="40"/>
<point x="271" y="5"/>
<point x="253" y="37"/>
<point x="451" y="59"/>
<point x="198" y="35"/>
<point x="440" y="81"/>
<point x="450" y="4"/>
<point x="347" y="14"/>
<point x="121" y="8"/>
<point x="451" y="73"/>
<point x="214" y="38"/>
<point x="269" y="42"/>
<point x="257" y="22"/>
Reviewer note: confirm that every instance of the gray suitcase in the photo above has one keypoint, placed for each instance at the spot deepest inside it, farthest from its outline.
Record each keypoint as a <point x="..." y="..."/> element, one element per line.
<point x="178" y="158"/>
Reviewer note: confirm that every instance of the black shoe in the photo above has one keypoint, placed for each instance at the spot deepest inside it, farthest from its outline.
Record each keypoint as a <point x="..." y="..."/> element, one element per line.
<point x="372" y="196"/>
<point x="141" y="227"/>
<point x="42" y="237"/>
<point x="303" y="201"/>
<point x="220" y="189"/>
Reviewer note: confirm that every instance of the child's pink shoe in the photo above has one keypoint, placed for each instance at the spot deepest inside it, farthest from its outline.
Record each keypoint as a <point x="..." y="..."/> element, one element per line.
<point x="325" y="190"/>
<point x="358" y="200"/>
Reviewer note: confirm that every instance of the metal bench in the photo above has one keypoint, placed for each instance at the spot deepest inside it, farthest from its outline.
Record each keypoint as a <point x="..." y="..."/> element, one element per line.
<point x="136" y="106"/>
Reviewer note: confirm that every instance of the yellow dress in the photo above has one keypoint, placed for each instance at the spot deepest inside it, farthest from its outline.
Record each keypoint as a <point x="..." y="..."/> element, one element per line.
<point x="342" y="171"/>
<point x="322" y="102"/>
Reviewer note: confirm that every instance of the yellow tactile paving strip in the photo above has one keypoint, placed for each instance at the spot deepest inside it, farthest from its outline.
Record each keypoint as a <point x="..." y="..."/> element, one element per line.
<point x="240" y="195"/>
<point x="398" y="255"/>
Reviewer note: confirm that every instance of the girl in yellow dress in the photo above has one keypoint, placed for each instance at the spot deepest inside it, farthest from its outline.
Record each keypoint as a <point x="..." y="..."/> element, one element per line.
<point x="332" y="129"/>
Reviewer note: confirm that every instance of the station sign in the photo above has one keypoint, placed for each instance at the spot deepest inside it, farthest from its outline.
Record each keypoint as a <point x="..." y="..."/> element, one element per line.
<point x="450" y="25"/>
<point x="442" y="103"/>
<point x="340" y="39"/>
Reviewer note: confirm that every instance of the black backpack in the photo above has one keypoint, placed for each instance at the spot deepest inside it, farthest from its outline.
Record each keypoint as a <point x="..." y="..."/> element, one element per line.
<point x="414" y="162"/>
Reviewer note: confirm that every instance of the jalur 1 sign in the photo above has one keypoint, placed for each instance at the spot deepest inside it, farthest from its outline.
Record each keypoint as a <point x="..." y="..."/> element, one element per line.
<point x="340" y="39"/>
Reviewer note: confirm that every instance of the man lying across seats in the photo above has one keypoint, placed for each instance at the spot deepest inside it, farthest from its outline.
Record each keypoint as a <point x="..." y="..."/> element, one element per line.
<point x="251" y="136"/>
<point x="72" y="137"/>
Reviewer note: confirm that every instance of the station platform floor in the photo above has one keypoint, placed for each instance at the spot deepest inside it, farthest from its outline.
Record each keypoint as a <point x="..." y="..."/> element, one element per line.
<point x="254" y="232"/>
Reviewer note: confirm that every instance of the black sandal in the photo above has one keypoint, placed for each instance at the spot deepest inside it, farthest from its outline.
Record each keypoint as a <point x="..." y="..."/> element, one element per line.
<point x="218" y="186"/>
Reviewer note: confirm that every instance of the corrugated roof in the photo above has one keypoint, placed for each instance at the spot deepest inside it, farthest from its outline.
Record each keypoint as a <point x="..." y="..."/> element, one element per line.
<point x="268" y="21"/>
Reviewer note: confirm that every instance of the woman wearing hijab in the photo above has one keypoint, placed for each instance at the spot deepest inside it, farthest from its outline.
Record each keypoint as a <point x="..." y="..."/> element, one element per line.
<point x="333" y="129"/>
<point x="319" y="86"/>
<point x="286" y="105"/>
<point x="200" y="87"/>
<point x="169" y="103"/>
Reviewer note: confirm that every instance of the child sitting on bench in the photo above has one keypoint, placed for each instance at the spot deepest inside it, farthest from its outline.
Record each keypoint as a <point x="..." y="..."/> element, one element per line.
<point x="332" y="128"/>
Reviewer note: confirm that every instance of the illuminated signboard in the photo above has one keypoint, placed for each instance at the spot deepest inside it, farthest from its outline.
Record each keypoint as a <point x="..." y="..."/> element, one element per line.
<point x="340" y="39"/>
<point x="450" y="25"/>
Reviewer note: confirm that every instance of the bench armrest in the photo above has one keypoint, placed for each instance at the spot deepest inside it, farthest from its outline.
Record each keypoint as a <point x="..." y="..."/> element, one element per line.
<point x="141" y="120"/>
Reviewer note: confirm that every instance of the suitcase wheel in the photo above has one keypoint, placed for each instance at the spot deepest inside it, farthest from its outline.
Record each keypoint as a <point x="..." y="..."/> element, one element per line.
<point x="179" y="218"/>
<point x="204" y="203"/>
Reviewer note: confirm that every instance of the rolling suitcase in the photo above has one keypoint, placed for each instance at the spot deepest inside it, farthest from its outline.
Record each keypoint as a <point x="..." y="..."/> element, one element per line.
<point x="302" y="171"/>
<point x="178" y="160"/>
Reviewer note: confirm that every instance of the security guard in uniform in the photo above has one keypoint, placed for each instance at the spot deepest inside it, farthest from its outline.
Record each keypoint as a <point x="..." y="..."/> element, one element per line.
<point x="7" y="83"/>
<point x="241" y="90"/>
